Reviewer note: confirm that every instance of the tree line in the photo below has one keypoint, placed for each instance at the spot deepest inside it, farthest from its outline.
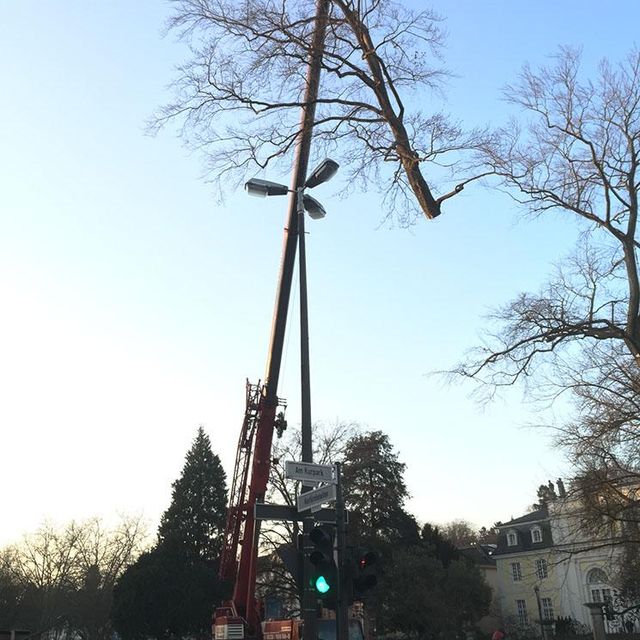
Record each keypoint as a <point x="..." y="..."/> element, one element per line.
<point x="90" y="580"/>
<point x="58" y="579"/>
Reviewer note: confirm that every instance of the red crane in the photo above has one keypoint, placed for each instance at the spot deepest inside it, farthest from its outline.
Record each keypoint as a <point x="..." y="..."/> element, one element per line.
<point x="248" y="487"/>
<point x="240" y="616"/>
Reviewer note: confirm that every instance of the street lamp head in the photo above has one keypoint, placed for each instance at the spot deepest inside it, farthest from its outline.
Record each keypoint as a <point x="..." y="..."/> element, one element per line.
<point x="313" y="207"/>
<point x="323" y="172"/>
<point x="263" y="188"/>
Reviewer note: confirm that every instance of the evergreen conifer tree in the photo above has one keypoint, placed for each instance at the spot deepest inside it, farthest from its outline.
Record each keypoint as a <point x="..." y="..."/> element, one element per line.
<point x="171" y="590"/>
<point x="375" y="491"/>
<point x="425" y="589"/>
<point x="195" y="518"/>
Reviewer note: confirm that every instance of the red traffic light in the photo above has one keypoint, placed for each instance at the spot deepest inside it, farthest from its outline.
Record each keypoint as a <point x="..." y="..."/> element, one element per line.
<point x="367" y="559"/>
<point x="365" y="572"/>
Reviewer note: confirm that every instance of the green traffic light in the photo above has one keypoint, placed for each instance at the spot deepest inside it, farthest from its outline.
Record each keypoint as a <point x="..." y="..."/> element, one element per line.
<point x="322" y="585"/>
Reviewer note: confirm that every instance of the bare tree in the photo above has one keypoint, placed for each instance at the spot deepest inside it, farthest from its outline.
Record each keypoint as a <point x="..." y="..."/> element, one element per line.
<point x="579" y="336"/>
<point x="63" y="578"/>
<point x="579" y="156"/>
<point x="329" y="444"/>
<point x="460" y="533"/>
<point x="603" y="443"/>
<point x="238" y="98"/>
<point x="45" y="568"/>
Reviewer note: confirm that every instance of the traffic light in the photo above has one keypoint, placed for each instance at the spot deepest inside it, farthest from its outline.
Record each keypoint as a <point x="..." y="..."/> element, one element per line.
<point x="324" y="577"/>
<point x="364" y="572"/>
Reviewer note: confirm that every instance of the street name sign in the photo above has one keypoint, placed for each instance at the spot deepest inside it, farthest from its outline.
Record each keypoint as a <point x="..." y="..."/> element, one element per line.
<point x="314" y="498"/>
<point x="310" y="473"/>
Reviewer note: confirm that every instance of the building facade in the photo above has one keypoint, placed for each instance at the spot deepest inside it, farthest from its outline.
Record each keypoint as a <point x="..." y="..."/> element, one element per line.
<point x="525" y="570"/>
<point x="549" y="565"/>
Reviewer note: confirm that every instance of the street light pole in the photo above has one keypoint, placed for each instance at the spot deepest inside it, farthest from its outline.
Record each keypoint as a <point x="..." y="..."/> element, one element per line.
<point x="308" y="593"/>
<point x="305" y="372"/>
<point x="304" y="204"/>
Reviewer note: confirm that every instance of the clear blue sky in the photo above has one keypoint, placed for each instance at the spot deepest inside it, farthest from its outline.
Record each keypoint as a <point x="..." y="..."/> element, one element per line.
<point x="134" y="306"/>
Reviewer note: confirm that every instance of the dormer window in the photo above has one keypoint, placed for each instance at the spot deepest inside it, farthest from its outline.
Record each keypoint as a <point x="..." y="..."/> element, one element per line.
<point x="512" y="538"/>
<point x="536" y="534"/>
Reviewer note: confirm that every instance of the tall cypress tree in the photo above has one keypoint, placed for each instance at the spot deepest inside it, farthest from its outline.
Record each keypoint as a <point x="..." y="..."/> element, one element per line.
<point x="195" y="518"/>
<point x="170" y="590"/>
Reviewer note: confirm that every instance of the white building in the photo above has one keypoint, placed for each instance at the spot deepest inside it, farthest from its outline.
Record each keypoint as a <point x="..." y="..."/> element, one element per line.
<point x="549" y="566"/>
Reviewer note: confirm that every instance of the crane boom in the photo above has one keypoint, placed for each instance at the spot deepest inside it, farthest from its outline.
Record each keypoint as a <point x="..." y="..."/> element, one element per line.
<point x="253" y="454"/>
<point x="238" y="494"/>
<point x="254" y="449"/>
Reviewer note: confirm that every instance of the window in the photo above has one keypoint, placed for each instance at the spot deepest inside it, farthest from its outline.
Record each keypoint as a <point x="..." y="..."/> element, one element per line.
<point x="547" y="609"/>
<point x="512" y="539"/>
<point x="601" y="595"/>
<point x="516" y="571"/>
<point x="541" y="569"/>
<point x="597" y="576"/>
<point x="536" y="534"/>
<point x="597" y="586"/>
<point x="521" y="606"/>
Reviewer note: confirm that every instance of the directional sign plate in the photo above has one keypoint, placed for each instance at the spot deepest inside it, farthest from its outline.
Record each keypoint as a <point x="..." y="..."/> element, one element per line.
<point x="316" y="497"/>
<point x="310" y="473"/>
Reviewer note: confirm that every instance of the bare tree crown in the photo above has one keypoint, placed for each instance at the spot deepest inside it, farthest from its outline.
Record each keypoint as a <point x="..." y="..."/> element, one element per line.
<point x="579" y="156"/>
<point x="579" y="336"/>
<point x="238" y="98"/>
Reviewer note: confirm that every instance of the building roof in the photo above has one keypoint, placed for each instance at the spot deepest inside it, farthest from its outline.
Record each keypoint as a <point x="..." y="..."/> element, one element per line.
<point x="523" y="529"/>
<point x="480" y="554"/>
<point x="535" y="516"/>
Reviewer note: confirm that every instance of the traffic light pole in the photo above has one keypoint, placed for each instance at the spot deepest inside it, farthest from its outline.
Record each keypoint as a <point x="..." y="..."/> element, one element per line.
<point x="309" y="604"/>
<point x="342" y="608"/>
